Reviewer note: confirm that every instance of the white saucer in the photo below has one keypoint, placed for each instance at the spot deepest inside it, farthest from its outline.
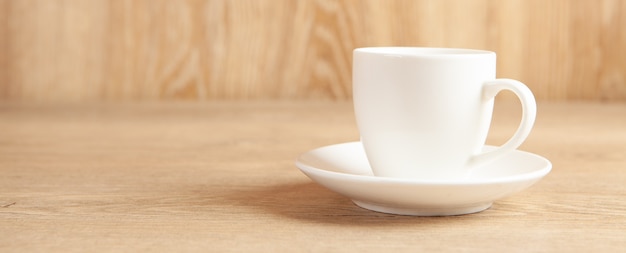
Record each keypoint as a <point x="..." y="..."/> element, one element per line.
<point x="344" y="168"/>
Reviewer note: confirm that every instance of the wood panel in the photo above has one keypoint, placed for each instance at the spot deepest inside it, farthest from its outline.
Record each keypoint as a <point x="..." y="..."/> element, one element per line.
<point x="283" y="49"/>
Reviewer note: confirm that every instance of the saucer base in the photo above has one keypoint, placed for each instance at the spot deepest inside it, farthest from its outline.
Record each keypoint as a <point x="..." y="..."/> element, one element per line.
<point x="344" y="169"/>
<point x="423" y="211"/>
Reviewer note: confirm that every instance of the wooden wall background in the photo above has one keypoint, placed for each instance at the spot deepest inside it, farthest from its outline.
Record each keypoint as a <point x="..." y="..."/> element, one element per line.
<point x="84" y="50"/>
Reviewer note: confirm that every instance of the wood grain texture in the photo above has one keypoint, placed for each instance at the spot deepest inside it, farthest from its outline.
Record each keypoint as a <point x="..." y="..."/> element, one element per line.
<point x="281" y="49"/>
<point x="220" y="177"/>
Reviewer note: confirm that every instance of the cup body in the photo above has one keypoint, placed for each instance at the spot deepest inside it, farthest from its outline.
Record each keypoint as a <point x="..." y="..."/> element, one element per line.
<point x="421" y="112"/>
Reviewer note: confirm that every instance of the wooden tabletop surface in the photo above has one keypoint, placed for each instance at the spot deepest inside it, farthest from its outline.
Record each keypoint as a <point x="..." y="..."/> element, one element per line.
<point x="220" y="177"/>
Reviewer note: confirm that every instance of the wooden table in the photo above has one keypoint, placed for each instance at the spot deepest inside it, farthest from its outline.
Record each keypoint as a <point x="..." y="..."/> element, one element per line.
<point x="221" y="177"/>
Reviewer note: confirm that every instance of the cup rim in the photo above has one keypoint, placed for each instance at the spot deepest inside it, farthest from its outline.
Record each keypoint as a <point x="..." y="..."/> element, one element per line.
<point x="423" y="51"/>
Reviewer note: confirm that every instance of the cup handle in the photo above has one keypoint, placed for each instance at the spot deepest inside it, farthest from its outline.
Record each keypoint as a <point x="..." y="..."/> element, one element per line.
<point x="529" y="112"/>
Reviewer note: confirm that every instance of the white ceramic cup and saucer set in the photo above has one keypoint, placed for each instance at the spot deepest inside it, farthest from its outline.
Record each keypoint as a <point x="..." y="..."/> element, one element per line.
<point x="423" y="115"/>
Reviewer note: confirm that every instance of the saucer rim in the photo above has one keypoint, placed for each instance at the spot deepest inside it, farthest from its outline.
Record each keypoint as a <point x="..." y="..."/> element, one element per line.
<point x="535" y="174"/>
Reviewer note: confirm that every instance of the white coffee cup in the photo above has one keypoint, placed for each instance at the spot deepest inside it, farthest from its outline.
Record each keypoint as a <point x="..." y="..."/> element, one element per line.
<point x="424" y="113"/>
